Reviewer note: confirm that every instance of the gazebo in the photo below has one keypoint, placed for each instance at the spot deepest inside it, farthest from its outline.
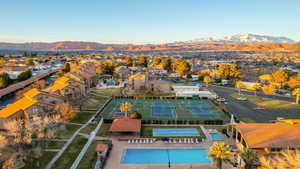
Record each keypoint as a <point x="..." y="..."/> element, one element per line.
<point x="126" y="127"/>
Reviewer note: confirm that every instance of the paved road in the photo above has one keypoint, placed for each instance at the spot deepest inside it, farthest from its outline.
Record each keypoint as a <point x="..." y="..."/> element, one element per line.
<point x="258" y="93"/>
<point x="245" y="109"/>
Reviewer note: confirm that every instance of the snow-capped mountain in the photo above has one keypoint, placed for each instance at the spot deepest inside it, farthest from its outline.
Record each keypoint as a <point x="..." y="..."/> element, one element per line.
<point x="245" y="38"/>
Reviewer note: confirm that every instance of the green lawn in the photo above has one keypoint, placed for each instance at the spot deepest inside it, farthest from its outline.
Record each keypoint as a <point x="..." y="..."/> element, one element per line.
<point x="268" y="103"/>
<point x="81" y="117"/>
<point x="144" y="106"/>
<point x="88" y="129"/>
<point x="55" y="144"/>
<point x="41" y="162"/>
<point x="90" y="158"/>
<point x="104" y="130"/>
<point x="147" y="130"/>
<point x="68" y="132"/>
<point x="71" y="153"/>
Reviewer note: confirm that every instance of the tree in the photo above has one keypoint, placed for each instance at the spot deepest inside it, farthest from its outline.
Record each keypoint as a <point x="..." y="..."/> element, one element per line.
<point x="65" y="111"/>
<point x="3" y="141"/>
<point x="250" y="158"/>
<point x="4" y="80"/>
<point x="20" y="131"/>
<point x="228" y="71"/>
<point x="279" y="78"/>
<point x="294" y="81"/>
<point x="166" y="64"/>
<point x="67" y="68"/>
<point x="182" y="67"/>
<point x="296" y="93"/>
<point x="143" y="61"/>
<point x="125" y="107"/>
<point x="269" y="89"/>
<point x="206" y="80"/>
<point x="156" y="61"/>
<point x="220" y="153"/>
<point x="24" y="75"/>
<point x="239" y="84"/>
<point x="288" y="159"/>
<point x="135" y="115"/>
<point x="2" y="61"/>
<point x="106" y="67"/>
<point x="128" y="62"/>
<point x="29" y="62"/>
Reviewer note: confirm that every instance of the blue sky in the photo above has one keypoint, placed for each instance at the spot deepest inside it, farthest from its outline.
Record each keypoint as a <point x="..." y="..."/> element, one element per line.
<point x="145" y="21"/>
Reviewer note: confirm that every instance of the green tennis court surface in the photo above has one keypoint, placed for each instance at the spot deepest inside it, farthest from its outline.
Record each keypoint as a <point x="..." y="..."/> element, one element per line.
<point x="171" y="109"/>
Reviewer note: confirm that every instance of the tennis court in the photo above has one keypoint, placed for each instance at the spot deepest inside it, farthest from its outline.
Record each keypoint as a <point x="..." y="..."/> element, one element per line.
<point x="166" y="109"/>
<point x="202" y="109"/>
<point x="163" y="109"/>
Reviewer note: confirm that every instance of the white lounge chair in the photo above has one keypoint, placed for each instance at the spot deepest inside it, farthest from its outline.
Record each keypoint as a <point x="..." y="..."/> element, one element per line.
<point x="141" y="141"/>
<point x="129" y="141"/>
<point x="144" y="141"/>
<point x="197" y="142"/>
<point x="192" y="140"/>
<point x="179" y="141"/>
<point x="174" y="141"/>
<point x="151" y="141"/>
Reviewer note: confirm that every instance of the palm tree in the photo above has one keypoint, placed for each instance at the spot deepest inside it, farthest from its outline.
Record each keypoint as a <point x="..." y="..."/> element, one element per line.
<point x="219" y="152"/>
<point x="239" y="84"/>
<point x="296" y="93"/>
<point x="250" y="158"/>
<point x="286" y="159"/>
<point x="125" y="107"/>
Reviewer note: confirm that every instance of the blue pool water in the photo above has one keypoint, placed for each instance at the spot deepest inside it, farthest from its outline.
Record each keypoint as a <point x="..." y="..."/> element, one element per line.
<point x="165" y="132"/>
<point x="215" y="136"/>
<point x="164" y="156"/>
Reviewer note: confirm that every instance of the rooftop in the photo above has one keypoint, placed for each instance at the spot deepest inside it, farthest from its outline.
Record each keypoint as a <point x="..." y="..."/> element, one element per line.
<point x="268" y="135"/>
<point x="126" y="125"/>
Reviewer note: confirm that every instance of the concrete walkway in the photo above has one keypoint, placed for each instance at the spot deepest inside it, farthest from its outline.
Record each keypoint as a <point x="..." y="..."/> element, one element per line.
<point x="62" y="150"/>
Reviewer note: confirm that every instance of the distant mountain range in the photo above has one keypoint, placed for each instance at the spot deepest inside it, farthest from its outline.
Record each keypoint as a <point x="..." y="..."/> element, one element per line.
<point x="244" y="38"/>
<point x="77" y="45"/>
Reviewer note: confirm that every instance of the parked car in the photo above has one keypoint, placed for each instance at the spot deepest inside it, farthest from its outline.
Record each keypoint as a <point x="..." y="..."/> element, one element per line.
<point x="221" y="100"/>
<point x="242" y="99"/>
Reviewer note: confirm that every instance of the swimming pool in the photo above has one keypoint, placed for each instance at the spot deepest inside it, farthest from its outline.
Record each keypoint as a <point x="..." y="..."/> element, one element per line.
<point x="216" y="136"/>
<point x="165" y="132"/>
<point x="164" y="156"/>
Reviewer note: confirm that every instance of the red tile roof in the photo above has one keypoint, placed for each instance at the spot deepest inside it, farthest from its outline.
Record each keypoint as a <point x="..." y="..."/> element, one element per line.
<point x="101" y="147"/>
<point x="126" y="125"/>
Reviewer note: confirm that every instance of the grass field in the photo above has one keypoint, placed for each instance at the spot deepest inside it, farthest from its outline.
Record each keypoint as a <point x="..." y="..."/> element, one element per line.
<point x="68" y="157"/>
<point x="269" y="103"/>
<point x="42" y="162"/>
<point x="180" y="106"/>
<point x="90" y="158"/>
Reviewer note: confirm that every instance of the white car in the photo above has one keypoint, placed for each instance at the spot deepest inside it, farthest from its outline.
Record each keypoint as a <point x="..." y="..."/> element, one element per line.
<point x="242" y="98"/>
<point x="221" y="99"/>
<point x="258" y="108"/>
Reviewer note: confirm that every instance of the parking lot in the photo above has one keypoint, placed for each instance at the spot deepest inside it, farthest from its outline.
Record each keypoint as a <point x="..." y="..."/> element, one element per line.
<point x="249" y="111"/>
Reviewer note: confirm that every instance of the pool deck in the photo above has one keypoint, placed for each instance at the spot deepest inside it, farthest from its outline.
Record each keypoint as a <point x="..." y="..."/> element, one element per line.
<point x="114" y="160"/>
